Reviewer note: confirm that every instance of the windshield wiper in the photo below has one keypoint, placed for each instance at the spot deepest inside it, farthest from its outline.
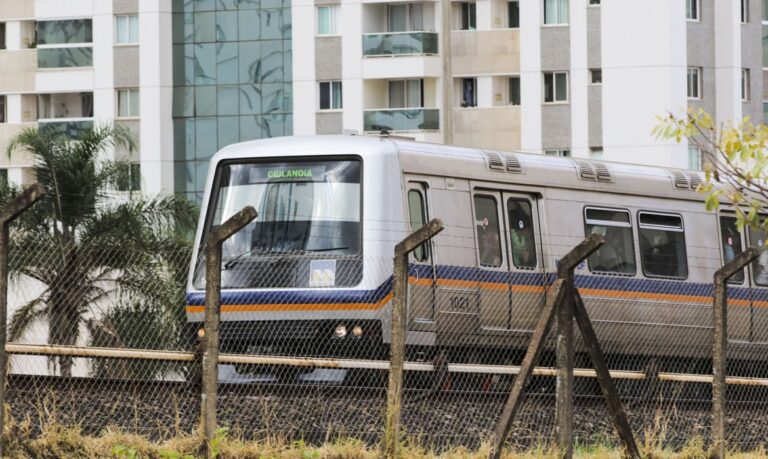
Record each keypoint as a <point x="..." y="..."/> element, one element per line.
<point x="233" y="262"/>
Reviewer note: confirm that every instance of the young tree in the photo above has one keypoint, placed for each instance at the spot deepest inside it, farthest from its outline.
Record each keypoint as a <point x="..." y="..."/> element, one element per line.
<point x="88" y="249"/>
<point x="734" y="160"/>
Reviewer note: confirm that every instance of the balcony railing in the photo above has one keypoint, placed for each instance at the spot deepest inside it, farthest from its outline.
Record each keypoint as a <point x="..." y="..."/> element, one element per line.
<point x="63" y="57"/>
<point x="402" y="119"/>
<point x="71" y="127"/>
<point x="399" y="43"/>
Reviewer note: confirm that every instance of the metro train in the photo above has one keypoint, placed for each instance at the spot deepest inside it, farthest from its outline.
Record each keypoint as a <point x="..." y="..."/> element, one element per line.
<point x="312" y="274"/>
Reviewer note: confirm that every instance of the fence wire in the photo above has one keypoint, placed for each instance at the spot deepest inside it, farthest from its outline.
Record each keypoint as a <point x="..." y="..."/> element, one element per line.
<point x="326" y="305"/>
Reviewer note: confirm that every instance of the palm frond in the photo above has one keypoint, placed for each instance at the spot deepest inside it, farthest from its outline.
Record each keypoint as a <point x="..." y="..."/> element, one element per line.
<point x="25" y="316"/>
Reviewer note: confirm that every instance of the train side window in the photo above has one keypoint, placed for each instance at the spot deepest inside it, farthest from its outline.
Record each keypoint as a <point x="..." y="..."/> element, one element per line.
<point x="521" y="233"/>
<point x="617" y="255"/>
<point x="757" y="238"/>
<point x="662" y="245"/>
<point x="488" y="236"/>
<point x="417" y="213"/>
<point x="731" y="242"/>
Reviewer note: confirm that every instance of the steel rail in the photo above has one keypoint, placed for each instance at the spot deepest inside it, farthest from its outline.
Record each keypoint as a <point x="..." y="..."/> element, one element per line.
<point x="350" y="364"/>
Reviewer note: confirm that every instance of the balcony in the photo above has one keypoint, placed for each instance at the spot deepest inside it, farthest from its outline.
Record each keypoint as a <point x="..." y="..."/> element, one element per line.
<point x="401" y="119"/>
<point x="399" y="44"/>
<point x="56" y="58"/>
<point x="70" y="127"/>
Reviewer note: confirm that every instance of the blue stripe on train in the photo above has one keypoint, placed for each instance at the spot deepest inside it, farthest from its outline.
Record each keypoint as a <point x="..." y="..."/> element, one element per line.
<point x="472" y="274"/>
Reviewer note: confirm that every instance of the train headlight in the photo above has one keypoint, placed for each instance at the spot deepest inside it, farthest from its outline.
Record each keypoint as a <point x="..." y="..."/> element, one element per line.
<point x="357" y="330"/>
<point x="341" y="331"/>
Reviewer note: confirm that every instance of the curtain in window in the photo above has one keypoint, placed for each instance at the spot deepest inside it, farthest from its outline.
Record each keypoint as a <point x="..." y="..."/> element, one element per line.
<point x="123" y="104"/>
<point x="134" y="94"/>
<point x="396" y="18"/>
<point x="556" y="11"/>
<point x="324" y="20"/>
<point x="414" y="93"/>
<point x="396" y="94"/>
<point x="416" y="21"/>
<point x="336" y="96"/>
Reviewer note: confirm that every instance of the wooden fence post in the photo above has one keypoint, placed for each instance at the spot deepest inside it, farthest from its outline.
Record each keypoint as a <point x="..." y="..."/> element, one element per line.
<point x="8" y="213"/>
<point x="558" y="294"/>
<point x="209" y="361"/>
<point x="399" y="324"/>
<point x="720" y="345"/>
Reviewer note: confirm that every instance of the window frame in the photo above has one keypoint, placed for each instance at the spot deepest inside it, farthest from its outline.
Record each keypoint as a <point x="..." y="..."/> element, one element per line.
<point x="3" y="109"/>
<point x="744" y="12"/>
<point x="470" y="16"/>
<point x="3" y="38"/>
<point x="506" y="199"/>
<point x="406" y="92"/>
<point x="593" y="3"/>
<point x="743" y="238"/>
<point x="462" y="84"/>
<point x="495" y="196"/>
<point x="419" y="188"/>
<point x="592" y="73"/>
<point x="544" y="22"/>
<point x="698" y="95"/>
<point x="640" y="226"/>
<point x="131" y="115"/>
<point x="519" y="90"/>
<point x="117" y="30"/>
<point x="331" y="84"/>
<point x="131" y="182"/>
<point x="629" y="225"/>
<point x="691" y="149"/>
<point x="509" y="14"/>
<point x="746" y="82"/>
<point x="555" y="100"/>
<point x="333" y="26"/>
<point x="697" y="7"/>
<point x="558" y="153"/>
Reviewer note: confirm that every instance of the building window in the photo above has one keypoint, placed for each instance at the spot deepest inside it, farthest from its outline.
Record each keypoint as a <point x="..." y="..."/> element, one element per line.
<point x="468" y="16"/>
<point x="127" y="103"/>
<point x="469" y="92"/>
<point x="560" y="153"/>
<point x="54" y="40"/>
<point x="596" y="153"/>
<point x="405" y="17"/>
<point x="514" y="90"/>
<point x="406" y="93"/>
<point x="694" y="158"/>
<point x="555" y="87"/>
<point x="2" y="35"/>
<point x="596" y="76"/>
<point x="127" y="29"/>
<point x="330" y="95"/>
<point x="3" y="115"/>
<point x="744" y="11"/>
<point x="694" y="83"/>
<point x="327" y="19"/>
<point x="693" y="10"/>
<point x="594" y="2"/>
<point x="513" y="14"/>
<point x="556" y="11"/>
<point x="765" y="112"/>
<point x="128" y="177"/>
<point x="745" y="85"/>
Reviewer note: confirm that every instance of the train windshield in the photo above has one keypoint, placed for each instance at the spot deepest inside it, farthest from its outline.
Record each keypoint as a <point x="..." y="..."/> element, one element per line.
<point x="306" y="209"/>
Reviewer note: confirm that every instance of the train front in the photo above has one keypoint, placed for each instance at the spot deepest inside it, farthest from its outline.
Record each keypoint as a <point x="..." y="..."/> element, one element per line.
<point x="295" y="280"/>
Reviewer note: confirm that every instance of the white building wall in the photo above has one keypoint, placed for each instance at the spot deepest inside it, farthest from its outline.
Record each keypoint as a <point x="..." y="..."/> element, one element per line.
<point x="104" y="109"/>
<point x="304" y="85"/>
<point x="728" y="60"/>
<point x="644" y="65"/>
<point x="352" y="64"/>
<point x="579" y="80"/>
<point x="530" y="76"/>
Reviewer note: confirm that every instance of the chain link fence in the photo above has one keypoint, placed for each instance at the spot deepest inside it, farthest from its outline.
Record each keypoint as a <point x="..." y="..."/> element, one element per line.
<point x="468" y="331"/>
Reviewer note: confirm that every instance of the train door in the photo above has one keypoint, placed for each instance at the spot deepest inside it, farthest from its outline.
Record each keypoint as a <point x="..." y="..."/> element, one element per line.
<point x="492" y="278"/>
<point x="740" y="320"/>
<point x="526" y="293"/>
<point x="421" y="282"/>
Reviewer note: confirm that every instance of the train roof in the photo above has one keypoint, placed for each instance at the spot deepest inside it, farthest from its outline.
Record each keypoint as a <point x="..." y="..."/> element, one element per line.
<point x="487" y="165"/>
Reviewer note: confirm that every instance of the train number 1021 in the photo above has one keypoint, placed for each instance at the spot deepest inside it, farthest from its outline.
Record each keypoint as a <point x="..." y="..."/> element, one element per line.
<point x="459" y="303"/>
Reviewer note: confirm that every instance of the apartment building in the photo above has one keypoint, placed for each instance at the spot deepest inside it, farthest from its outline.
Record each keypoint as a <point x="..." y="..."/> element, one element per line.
<point x="582" y="78"/>
<point x="69" y="65"/>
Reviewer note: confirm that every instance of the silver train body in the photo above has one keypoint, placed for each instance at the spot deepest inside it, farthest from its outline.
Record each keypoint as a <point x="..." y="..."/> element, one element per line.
<point x="648" y="294"/>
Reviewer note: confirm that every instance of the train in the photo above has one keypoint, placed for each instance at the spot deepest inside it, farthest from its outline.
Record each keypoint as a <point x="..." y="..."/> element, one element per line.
<point x="312" y="274"/>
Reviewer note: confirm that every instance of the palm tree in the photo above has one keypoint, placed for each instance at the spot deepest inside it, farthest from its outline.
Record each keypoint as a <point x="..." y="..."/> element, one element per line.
<point x="89" y="250"/>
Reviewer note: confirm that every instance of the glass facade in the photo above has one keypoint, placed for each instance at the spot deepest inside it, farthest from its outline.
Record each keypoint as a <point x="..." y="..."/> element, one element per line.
<point x="232" y="80"/>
